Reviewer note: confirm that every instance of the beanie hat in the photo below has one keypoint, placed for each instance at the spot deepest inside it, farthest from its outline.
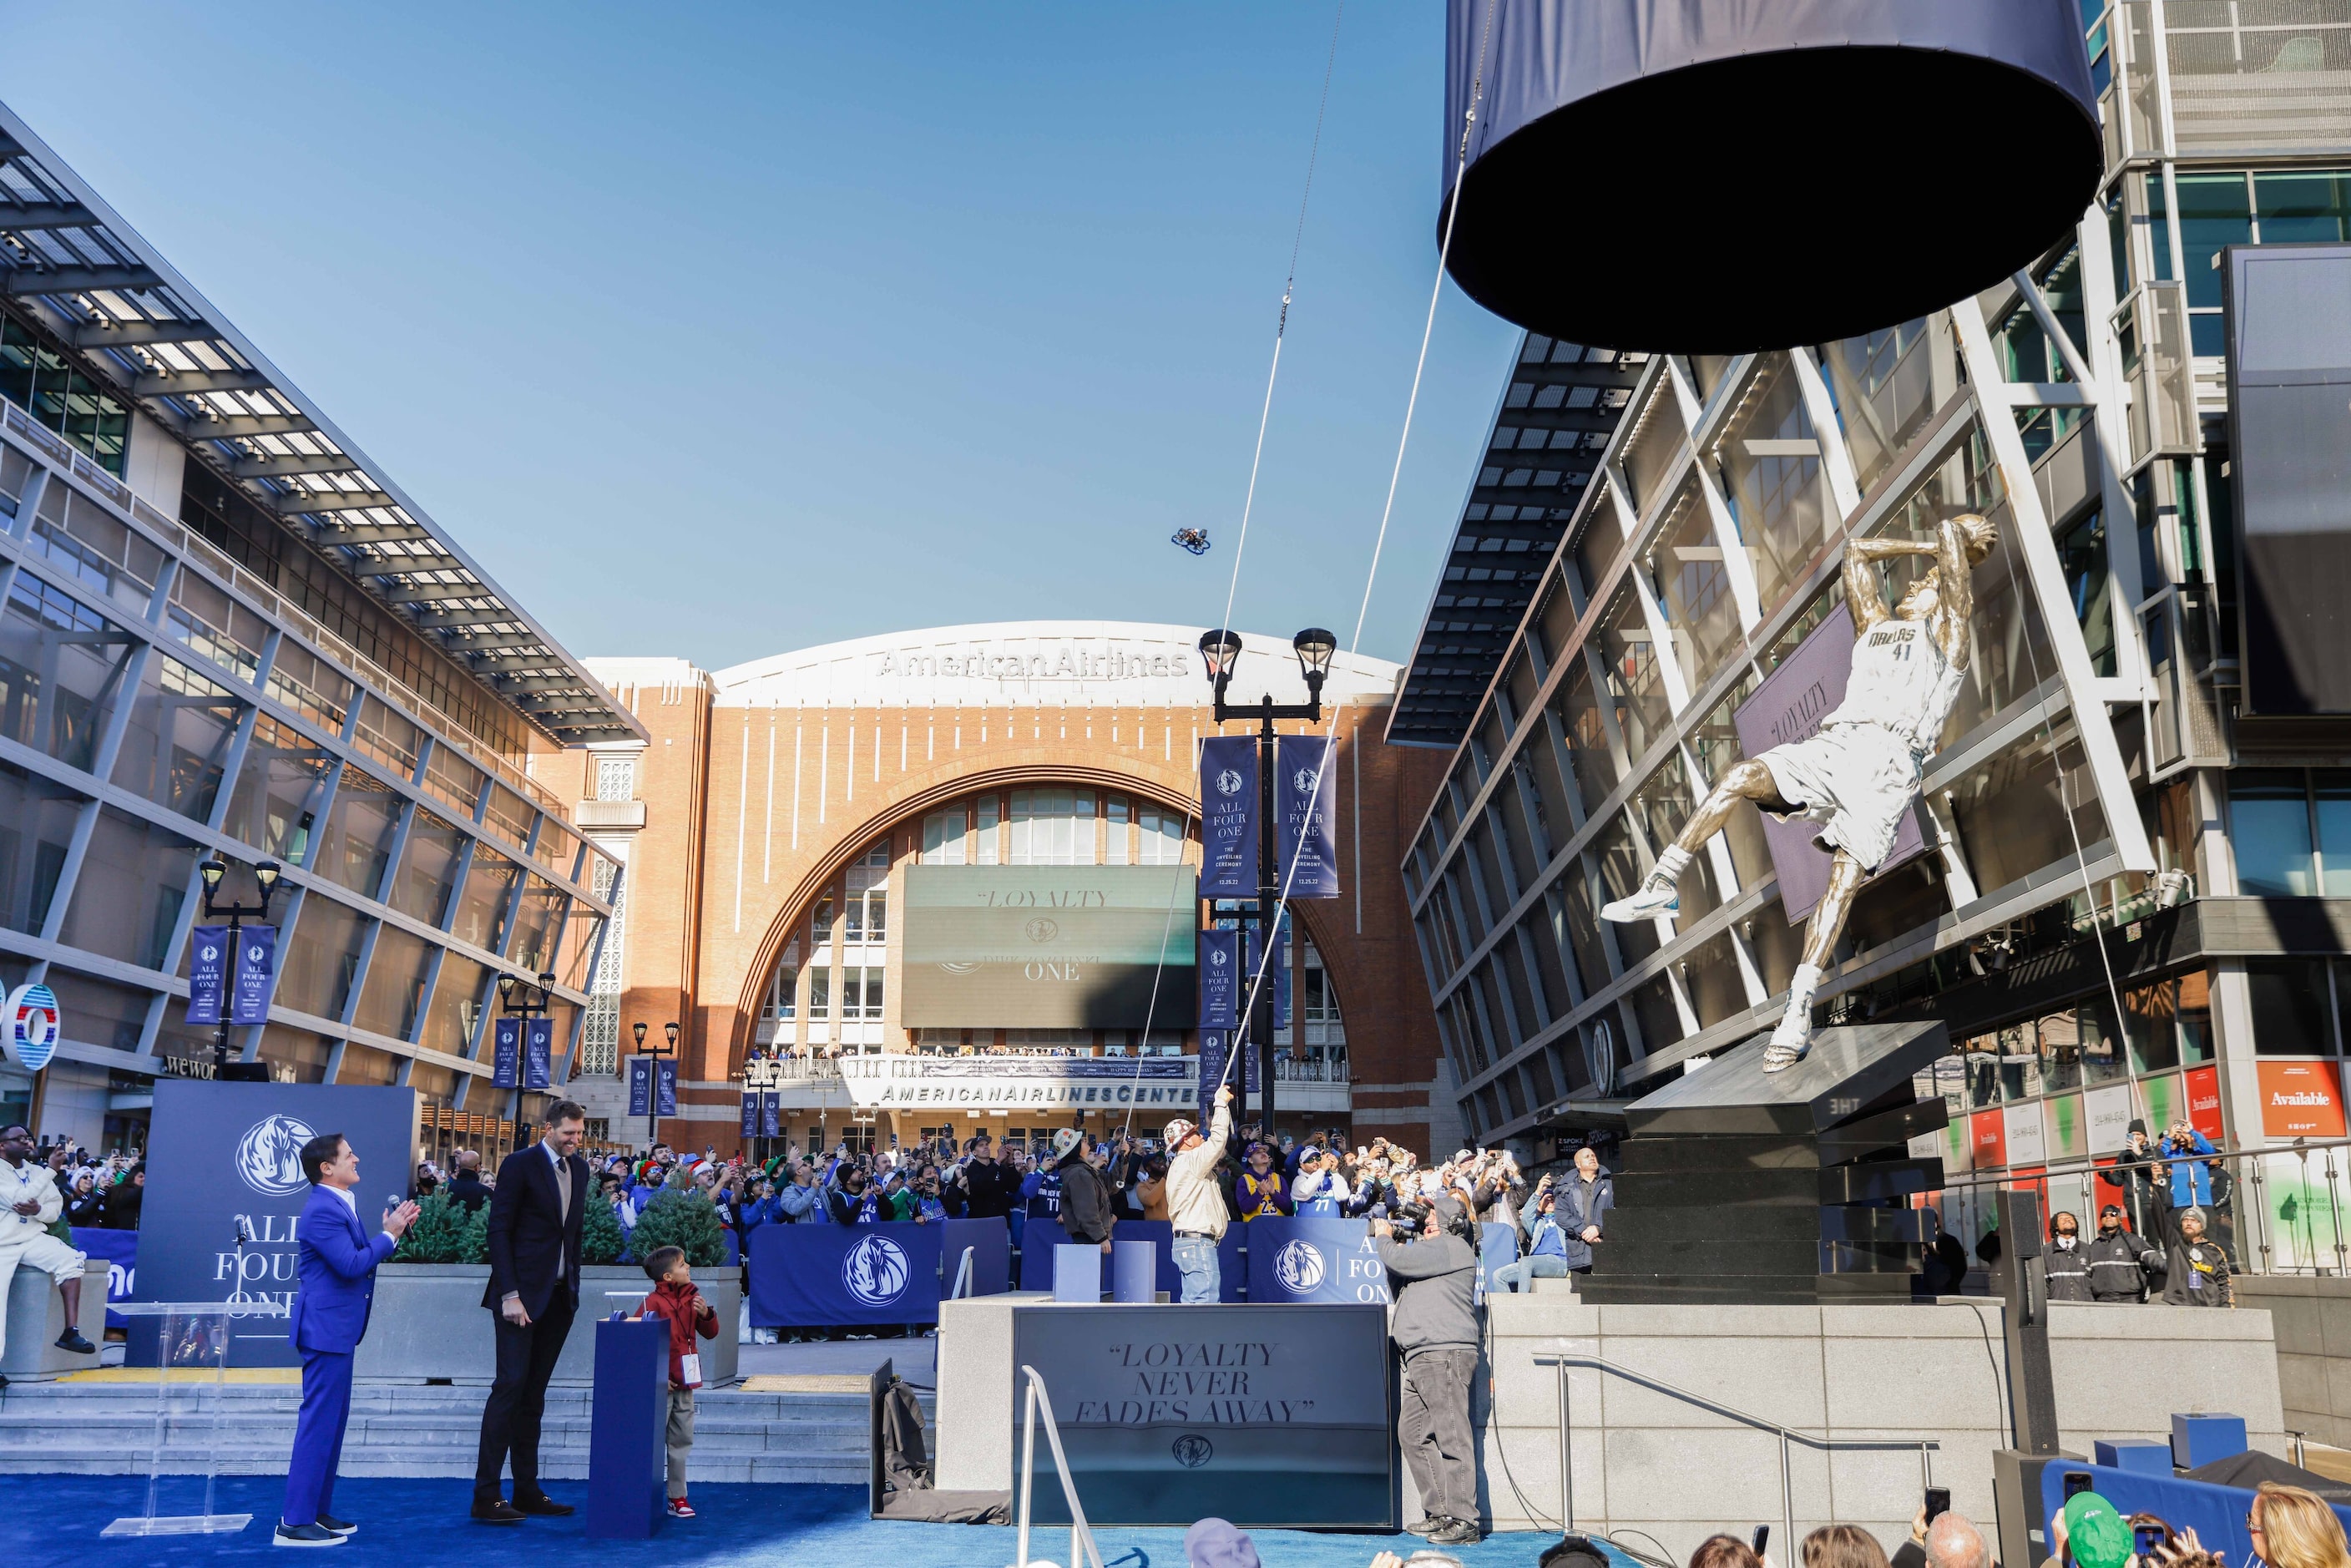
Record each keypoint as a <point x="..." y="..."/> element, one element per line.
<point x="2094" y="1533"/>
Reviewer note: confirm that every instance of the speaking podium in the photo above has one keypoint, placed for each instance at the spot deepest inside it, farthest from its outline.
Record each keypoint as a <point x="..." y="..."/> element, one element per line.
<point x="628" y="1425"/>
<point x="1745" y="1185"/>
<point x="192" y="1339"/>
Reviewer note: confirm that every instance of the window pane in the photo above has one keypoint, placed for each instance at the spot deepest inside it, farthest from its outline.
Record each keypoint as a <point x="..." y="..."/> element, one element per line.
<point x="1661" y="805"/>
<point x="538" y="916"/>
<point x="1115" y="837"/>
<point x="1621" y="871"/>
<point x="1883" y="386"/>
<point x="1770" y="460"/>
<point x="456" y="1009"/>
<point x="310" y="687"/>
<point x="428" y="869"/>
<point x="177" y="745"/>
<point x="1587" y="738"/>
<point x="280" y="793"/>
<point x="1635" y="685"/>
<point x="99" y="1012"/>
<point x="383" y="734"/>
<point x="1694" y="589"/>
<point x="2213" y="213"/>
<point x="55" y="682"/>
<point x="2304" y="208"/>
<point x="36" y="824"/>
<point x="2334" y="791"/>
<point x="321" y="958"/>
<point x="2289" y="1007"/>
<point x="357" y="846"/>
<point x="2010" y="817"/>
<point x="2270" y="821"/>
<point x="507" y="815"/>
<point x="1649" y="452"/>
<point x="127" y="900"/>
<point x="455" y="780"/>
<point x="395" y="983"/>
<point x="482" y="909"/>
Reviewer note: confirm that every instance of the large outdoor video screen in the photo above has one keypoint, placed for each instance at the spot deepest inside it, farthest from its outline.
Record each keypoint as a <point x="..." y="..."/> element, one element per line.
<point x="1048" y="946"/>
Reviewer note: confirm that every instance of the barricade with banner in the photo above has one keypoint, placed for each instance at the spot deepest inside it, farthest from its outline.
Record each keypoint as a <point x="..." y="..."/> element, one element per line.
<point x="991" y="1241"/>
<point x="809" y="1275"/>
<point x="119" y="1250"/>
<point x="1315" y="1259"/>
<point x="1499" y="1245"/>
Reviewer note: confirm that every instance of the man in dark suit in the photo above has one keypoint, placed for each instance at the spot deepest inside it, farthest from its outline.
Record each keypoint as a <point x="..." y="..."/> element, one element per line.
<point x="535" y="1210"/>
<point x="338" y="1260"/>
<point x="466" y="1186"/>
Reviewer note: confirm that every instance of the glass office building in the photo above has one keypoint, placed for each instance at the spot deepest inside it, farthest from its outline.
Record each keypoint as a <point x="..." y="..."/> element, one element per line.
<point x="2096" y="778"/>
<point x="224" y="632"/>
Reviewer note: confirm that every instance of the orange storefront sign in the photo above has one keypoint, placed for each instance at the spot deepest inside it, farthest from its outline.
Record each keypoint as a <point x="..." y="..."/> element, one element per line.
<point x="2203" y="1101"/>
<point x="2301" y="1100"/>
<point x="1988" y="1138"/>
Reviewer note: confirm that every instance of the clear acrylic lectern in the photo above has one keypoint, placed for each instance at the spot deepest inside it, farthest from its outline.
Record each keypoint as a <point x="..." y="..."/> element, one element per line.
<point x="192" y="1341"/>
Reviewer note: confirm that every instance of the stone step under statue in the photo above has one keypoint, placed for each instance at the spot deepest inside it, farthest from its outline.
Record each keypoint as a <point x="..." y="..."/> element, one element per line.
<point x="1748" y="1183"/>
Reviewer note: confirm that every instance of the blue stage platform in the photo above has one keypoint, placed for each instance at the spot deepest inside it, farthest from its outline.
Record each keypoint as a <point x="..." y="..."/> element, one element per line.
<point x="422" y="1524"/>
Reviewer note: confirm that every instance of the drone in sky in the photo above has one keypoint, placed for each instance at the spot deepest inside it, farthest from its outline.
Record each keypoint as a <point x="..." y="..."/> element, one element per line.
<point x="1192" y="540"/>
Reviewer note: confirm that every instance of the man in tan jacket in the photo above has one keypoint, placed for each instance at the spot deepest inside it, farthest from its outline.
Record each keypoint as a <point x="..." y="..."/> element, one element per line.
<point x="1196" y="1205"/>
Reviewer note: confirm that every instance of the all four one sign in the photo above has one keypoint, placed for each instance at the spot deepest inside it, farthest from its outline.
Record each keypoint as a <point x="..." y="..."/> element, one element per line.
<point x="240" y="978"/>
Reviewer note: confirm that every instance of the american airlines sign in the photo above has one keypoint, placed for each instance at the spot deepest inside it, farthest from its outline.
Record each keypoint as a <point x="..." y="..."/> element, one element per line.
<point x="1021" y="1083"/>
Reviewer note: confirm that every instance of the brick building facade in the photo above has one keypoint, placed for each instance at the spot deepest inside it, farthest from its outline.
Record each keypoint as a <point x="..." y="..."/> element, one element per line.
<point x="763" y="828"/>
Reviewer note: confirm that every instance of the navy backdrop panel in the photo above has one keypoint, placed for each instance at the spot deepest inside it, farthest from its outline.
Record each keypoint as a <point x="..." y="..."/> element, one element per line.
<point x="991" y="1258"/>
<point x="1314" y="1259"/>
<point x="1232" y="1264"/>
<point x="807" y="1275"/>
<point x="219" y="1150"/>
<point x="1228" y="816"/>
<point x="2216" y="1513"/>
<point x="1271" y="1418"/>
<point x="1497" y="1245"/>
<point x="119" y="1250"/>
<point x="1038" y="1240"/>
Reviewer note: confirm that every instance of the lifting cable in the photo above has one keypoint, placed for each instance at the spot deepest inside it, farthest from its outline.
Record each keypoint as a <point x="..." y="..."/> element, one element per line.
<point x="1249" y="503"/>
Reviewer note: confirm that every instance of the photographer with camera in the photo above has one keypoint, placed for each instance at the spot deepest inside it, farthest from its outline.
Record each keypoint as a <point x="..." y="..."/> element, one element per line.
<point x="1431" y="1264"/>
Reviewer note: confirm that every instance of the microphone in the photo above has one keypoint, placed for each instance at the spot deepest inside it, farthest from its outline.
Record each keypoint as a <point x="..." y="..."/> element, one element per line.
<point x="243" y="1230"/>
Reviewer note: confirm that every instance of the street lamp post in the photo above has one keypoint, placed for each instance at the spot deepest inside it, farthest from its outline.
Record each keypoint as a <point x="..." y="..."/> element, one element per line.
<point x="653" y="1078"/>
<point x="519" y="997"/>
<point x="761" y="1073"/>
<point x="1220" y="650"/>
<point x="213" y="870"/>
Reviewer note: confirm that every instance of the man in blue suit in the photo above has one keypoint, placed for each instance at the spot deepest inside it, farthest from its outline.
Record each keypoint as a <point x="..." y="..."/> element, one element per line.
<point x="331" y="1313"/>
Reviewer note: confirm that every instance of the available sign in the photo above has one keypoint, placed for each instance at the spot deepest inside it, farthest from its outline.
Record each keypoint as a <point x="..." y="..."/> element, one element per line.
<point x="2301" y="1100"/>
<point x="2204" y="1102"/>
<point x="1990" y="1135"/>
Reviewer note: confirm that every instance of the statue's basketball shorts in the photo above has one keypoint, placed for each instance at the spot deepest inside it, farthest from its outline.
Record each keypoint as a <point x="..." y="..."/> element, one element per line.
<point x="1855" y="779"/>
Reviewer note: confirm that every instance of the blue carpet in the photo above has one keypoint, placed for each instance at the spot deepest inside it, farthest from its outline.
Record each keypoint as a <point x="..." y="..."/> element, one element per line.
<point x="422" y="1524"/>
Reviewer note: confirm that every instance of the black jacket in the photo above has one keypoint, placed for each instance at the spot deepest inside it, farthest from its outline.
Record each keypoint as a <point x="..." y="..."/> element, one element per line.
<point x="991" y="1186"/>
<point x="2117" y="1266"/>
<point x="2199" y="1276"/>
<point x="468" y="1187"/>
<point x="2068" y="1272"/>
<point x="1086" y="1211"/>
<point x="534" y="1243"/>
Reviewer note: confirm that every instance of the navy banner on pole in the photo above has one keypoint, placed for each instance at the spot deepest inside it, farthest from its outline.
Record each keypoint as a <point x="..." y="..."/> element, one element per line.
<point x="665" y="1087"/>
<point x="1228" y="816"/>
<point x="771" y="1114"/>
<point x="807" y="1275"/>
<point x="538" y="1053"/>
<point x="1220" y="979"/>
<point x="1306" y="793"/>
<point x="1314" y="1259"/>
<point x="256" y="969"/>
<point x="506" y="1054"/>
<point x="750" y="1115"/>
<point x="641" y="1086"/>
<point x="1215" y="1045"/>
<point x="207" y="973"/>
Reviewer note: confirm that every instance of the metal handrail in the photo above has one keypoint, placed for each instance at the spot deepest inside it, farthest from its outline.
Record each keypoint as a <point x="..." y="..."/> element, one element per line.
<point x="1081" y="1538"/>
<point x="963" y="1285"/>
<point x="1786" y="1435"/>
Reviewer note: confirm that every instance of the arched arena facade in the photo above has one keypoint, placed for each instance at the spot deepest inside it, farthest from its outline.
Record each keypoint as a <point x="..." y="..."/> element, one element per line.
<point x="776" y="834"/>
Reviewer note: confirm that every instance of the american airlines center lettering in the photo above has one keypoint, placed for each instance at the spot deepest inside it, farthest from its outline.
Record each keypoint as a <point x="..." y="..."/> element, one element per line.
<point x="1041" y="1081"/>
<point x="1068" y="662"/>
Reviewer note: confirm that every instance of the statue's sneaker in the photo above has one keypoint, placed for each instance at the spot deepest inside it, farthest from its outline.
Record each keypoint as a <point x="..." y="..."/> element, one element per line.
<point x="1790" y="1041"/>
<point x="1651" y="899"/>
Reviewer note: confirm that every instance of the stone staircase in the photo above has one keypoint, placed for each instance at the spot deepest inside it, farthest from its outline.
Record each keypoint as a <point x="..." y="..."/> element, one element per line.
<point x="109" y="1428"/>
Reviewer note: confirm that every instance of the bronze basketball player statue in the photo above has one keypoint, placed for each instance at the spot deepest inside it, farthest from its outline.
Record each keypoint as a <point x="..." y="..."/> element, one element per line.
<point x="1863" y="768"/>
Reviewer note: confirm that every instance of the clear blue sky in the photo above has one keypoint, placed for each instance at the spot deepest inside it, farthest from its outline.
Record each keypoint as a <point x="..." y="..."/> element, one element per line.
<point x="722" y="329"/>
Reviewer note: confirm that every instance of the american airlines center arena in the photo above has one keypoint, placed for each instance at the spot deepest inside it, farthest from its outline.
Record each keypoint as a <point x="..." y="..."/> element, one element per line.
<point x="944" y="882"/>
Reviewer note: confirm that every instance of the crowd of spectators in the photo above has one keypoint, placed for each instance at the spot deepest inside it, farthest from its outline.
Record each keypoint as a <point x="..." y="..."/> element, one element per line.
<point x="100" y="1191"/>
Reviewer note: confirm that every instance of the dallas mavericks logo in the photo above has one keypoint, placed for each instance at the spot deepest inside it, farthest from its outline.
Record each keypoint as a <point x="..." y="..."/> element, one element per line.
<point x="875" y="1270"/>
<point x="1230" y="782"/>
<point x="1303" y="780"/>
<point x="1192" y="1450"/>
<point x="1298" y="1267"/>
<point x="1041" y="930"/>
<point x="1217" y="956"/>
<point x="253" y="956"/>
<point x="269" y="1157"/>
<point x="212" y="952"/>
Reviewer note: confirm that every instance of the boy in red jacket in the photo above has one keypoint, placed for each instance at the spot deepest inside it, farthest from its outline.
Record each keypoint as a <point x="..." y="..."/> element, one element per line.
<point x="675" y="1301"/>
